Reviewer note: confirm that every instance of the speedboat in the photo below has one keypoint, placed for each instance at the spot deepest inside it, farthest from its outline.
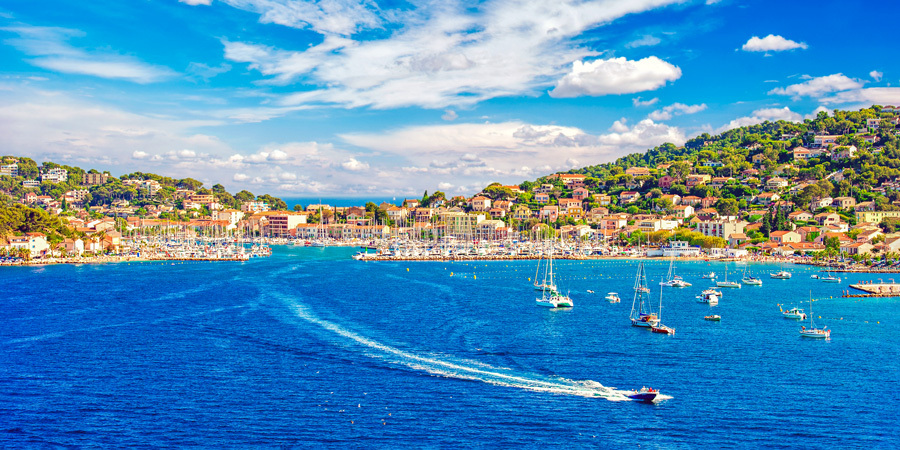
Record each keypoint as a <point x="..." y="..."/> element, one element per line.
<point x="709" y="276"/>
<point x="662" y="329"/>
<point x="830" y="279"/>
<point x="794" y="313"/>
<point x="613" y="297"/>
<point x="644" y="395"/>
<point x="590" y="291"/>
<point x="814" y="276"/>
<point x="781" y="275"/>
<point x="713" y="318"/>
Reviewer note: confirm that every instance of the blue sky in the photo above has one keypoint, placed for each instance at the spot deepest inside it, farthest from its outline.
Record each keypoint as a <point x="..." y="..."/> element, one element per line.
<point x="342" y="98"/>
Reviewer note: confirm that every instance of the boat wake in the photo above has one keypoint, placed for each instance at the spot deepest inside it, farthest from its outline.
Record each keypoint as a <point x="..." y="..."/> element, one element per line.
<point x="466" y="370"/>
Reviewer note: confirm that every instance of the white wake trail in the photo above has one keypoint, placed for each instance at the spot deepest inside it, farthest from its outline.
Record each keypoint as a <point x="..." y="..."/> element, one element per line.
<point x="479" y="372"/>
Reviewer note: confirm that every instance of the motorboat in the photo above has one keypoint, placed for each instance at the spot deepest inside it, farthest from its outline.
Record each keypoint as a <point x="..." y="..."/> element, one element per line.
<point x="710" y="296"/>
<point x="781" y="275"/>
<point x="709" y="276"/>
<point x="675" y="282"/>
<point x="794" y="313"/>
<point x="713" y="318"/>
<point x="830" y="279"/>
<point x="613" y="297"/>
<point x="750" y="280"/>
<point x="662" y="329"/>
<point x="647" y="395"/>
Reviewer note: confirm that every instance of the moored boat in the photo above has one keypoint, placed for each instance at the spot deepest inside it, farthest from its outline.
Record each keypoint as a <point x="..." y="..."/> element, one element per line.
<point x="794" y="313"/>
<point x="641" y="313"/>
<point x="613" y="297"/>
<point x="713" y="318"/>
<point x="813" y="331"/>
<point x="781" y="275"/>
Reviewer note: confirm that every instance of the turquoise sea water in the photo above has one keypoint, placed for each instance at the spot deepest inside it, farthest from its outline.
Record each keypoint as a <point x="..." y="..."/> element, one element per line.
<point x="310" y="348"/>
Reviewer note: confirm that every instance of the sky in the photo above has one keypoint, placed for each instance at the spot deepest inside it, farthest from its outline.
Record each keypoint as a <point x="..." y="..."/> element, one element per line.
<point x="343" y="98"/>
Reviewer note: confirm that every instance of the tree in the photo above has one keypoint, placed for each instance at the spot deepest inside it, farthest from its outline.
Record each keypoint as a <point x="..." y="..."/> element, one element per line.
<point x="727" y="207"/>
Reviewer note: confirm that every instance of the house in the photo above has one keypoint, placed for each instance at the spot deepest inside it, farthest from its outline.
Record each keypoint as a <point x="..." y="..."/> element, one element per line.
<point x="783" y="237"/>
<point x="570" y="180"/>
<point x="497" y="213"/>
<point x="696" y="180"/>
<point x="637" y="171"/>
<point x="603" y="199"/>
<point x="480" y="203"/>
<point x="800" y="216"/>
<point x="708" y="202"/>
<point x="628" y="197"/>
<point x="827" y="218"/>
<point x="825" y="140"/>
<point x="666" y="182"/>
<point x="721" y="228"/>
<point x="864" y="207"/>
<point x="843" y="202"/>
<point x="542" y="198"/>
<point x="843" y="152"/>
<point x="712" y="164"/>
<point x="35" y="243"/>
<point x="683" y="211"/>
<point x="820" y="203"/>
<point x="758" y="158"/>
<point x="808" y="234"/>
<point x="550" y="212"/>
<point x="544" y="189"/>
<point x="522" y="212"/>
<point x="254" y="207"/>
<point x="857" y="248"/>
<point x="691" y="200"/>
<point x="568" y="204"/>
<point x="397" y="214"/>
<point x="580" y="193"/>
<point x="776" y="183"/>
<point x="718" y="182"/>
<point x="413" y="203"/>
<point x="736" y="239"/>
<point x="868" y="235"/>
<point x="802" y="153"/>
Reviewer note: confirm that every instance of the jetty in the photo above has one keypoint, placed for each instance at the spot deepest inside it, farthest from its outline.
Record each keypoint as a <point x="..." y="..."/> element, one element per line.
<point x="873" y="289"/>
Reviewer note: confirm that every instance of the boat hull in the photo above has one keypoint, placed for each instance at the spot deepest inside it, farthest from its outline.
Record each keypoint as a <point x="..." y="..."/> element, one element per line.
<point x="646" y="397"/>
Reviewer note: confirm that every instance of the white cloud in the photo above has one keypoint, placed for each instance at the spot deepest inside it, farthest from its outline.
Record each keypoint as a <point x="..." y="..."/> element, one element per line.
<point x="444" y="186"/>
<point x="137" y="154"/>
<point x="765" y="114"/>
<point x="645" y="41"/>
<point x="866" y="97"/>
<point x="675" y="109"/>
<point x="638" y="102"/>
<point x="436" y="55"/>
<point x="817" y="87"/>
<point x="771" y="43"/>
<point x="473" y="153"/>
<point x="615" y="76"/>
<point x="197" y="2"/>
<point x="876" y="75"/>
<point x="449" y="115"/>
<point x="354" y="165"/>
<point x="50" y="50"/>
<point x="239" y="177"/>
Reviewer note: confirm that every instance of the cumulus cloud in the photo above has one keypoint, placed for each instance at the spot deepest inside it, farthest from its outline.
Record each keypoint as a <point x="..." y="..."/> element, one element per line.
<point x="615" y="76"/>
<point x="354" y="165"/>
<point x="765" y="114"/>
<point x="49" y="49"/>
<point x="240" y="177"/>
<point x="675" y="109"/>
<point x="437" y="54"/>
<point x="876" y="75"/>
<point x="817" y="87"/>
<point x="771" y="43"/>
<point x="137" y="154"/>
<point x="449" y="115"/>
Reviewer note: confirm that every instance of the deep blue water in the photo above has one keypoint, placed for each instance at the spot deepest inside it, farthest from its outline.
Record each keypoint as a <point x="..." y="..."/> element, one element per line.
<point x="311" y="348"/>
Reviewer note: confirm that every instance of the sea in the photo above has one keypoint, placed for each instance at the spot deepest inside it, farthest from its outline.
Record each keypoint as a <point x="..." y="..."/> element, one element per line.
<point x="309" y="348"/>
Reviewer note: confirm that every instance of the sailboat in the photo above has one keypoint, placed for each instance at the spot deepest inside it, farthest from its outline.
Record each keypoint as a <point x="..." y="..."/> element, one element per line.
<point x="829" y="279"/>
<point x="674" y="280"/>
<point x="728" y="284"/>
<point x="659" y="327"/>
<point x="550" y="297"/>
<point x="781" y="274"/>
<point x="540" y="285"/>
<point x="750" y="280"/>
<point x="813" y="331"/>
<point x="641" y="313"/>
